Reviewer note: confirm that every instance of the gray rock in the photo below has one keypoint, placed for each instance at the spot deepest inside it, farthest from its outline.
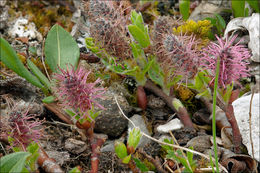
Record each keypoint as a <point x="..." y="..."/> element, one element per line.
<point x="111" y="121"/>
<point x="109" y="146"/>
<point x="3" y="16"/>
<point x="59" y="157"/>
<point x="75" y="146"/>
<point x="155" y="102"/>
<point x="200" y="143"/>
<point x="139" y="122"/>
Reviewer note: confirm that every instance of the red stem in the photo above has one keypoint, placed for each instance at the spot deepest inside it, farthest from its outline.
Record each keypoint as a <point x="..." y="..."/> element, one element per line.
<point x="237" y="138"/>
<point x="95" y="140"/>
<point x="48" y="164"/>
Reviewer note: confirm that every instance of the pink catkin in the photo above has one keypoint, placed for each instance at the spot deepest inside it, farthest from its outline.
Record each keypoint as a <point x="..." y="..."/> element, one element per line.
<point x="74" y="91"/>
<point x="233" y="58"/>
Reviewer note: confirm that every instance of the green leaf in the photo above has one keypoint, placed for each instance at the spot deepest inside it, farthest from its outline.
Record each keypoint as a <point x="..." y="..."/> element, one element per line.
<point x="49" y="99"/>
<point x="11" y="60"/>
<point x="213" y="21"/>
<point x="39" y="74"/>
<point x="190" y="156"/>
<point x="203" y="93"/>
<point x="173" y="81"/>
<point x="60" y="49"/>
<point x="221" y="22"/>
<point x="138" y="54"/>
<point x="140" y="165"/>
<point x="255" y="4"/>
<point x="167" y="147"/>
<point x="229" y="89"/>
<point x="32" y="159"/>
<point x="211" y="163"/>
<point x="126" y="159"/>
<point x="185" y="9"/>
<point x="74" y="170"/>
<point x="155" y="74"/>
<point x="14" y="162"/>
<point x="238" y="8"/>
<point x="120" y="149"/>
<point x="134" y="138"/>
<point x="139" y="35"/>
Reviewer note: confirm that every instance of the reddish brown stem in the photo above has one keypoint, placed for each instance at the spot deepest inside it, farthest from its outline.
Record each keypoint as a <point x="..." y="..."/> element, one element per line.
<point x="95" y="140"/>
<point x="180" y="111"/>
<point x="48" y="164"/>
<point x="133" y="167"/>
<point x="237" y="138"/>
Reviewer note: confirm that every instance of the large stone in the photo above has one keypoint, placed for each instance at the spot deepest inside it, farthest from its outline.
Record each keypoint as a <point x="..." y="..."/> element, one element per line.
<point x="241" y="111"/>
<point x="111" y="121"/>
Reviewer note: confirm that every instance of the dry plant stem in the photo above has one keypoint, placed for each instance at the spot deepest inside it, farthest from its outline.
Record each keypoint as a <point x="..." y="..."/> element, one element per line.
<point x="171" y="145"/>
<point x="95" y="140"/>
<point x="55" y="109"/>
<point x="250" y="122"/>
<point x="181" y="111"/>
<point x="48" y="164"/>
<point x="156" y="162"/>
<point x="43" y="63"/>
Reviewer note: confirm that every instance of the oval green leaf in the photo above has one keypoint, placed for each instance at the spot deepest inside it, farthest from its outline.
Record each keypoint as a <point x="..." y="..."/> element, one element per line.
<point x="13" y="162"/>
<point x="120" y="150"/>
<point x="60" y="49"/>
<point x="11" y="60"/>
<point x="139" y="35"/>
<point x="126" y="159"/>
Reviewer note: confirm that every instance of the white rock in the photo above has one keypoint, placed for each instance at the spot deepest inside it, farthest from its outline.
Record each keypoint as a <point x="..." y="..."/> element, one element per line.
<point x="241" y="111"/>
<point x="252" y="25"/>
<point x="22" y="28"/>
<point x="174" y="124"/>
<point x="139" y="122"/>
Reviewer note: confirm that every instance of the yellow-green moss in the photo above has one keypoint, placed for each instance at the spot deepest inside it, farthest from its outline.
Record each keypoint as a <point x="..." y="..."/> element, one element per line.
<point x="200" y="30"/>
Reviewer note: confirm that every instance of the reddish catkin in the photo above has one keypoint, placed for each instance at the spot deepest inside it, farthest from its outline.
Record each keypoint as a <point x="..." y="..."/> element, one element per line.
<point x="22" y="128"/>
<point x="233" y="60"/>
<point x="75" y="92"/>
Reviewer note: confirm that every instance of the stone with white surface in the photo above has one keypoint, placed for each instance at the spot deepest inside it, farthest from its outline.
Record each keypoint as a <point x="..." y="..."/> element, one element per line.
<point x="241" y="111"/>
<point x="174" y="124"/>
